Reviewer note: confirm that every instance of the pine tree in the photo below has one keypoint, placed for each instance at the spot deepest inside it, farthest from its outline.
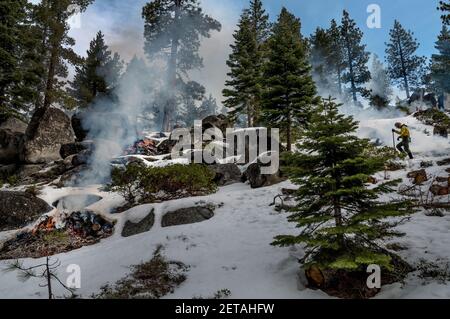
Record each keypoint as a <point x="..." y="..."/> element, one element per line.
<point x="98" y="74"/>
<point x="380" y="88"/>
<point x="56" y="47"/>
<point x="21" y="68"/>
<point x="188" y="111"/>
<point x="289" y="90"/>
<point x="12" y="13"/>
<point x="336" y="59"/>
<point x="173" y="29"/>
<point x="208" y="107"/>
<point x="321" y="51"/>
<point x="245" y="62"/>
<point x="356" y="56"/>
<point x="339" y="215"/>
<point x="440" y="63"/>
<point x="405" y="67"/>
<point x="444" y="6"/>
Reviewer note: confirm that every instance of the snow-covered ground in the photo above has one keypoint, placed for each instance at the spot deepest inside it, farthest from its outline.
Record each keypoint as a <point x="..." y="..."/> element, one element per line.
<point x="232" y="250"/>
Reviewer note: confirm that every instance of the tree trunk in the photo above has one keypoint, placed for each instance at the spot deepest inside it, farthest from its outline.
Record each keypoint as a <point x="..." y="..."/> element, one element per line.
<point x="338" y="219"/>
<point x="352" y="74"/>
<point x="339" y="71"/>
<point x="170" y="106"/>
<point x="41" y="85"/>
<point x="54" y="56"/>
<point x="404" y="71"/>
<point x="289" y="132"/>
<point x="405" y="79"/>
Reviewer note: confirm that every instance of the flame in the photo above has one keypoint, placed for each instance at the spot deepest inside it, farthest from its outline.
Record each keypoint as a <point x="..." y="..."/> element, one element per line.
<point x="46" y="225"/>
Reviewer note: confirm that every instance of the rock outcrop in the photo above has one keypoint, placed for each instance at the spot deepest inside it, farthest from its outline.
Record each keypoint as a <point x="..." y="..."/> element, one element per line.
<point x="47" y="131"/>
<point x="12" y="132"/>
<point x="188" y="215"/>
<point x="226" y="174"/>
<point x="131" y="228"/>
<point x="256" y="179"/>
<point x="19" y="209"/>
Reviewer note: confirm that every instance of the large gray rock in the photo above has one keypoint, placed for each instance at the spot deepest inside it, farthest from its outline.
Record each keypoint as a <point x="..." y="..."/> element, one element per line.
<point x="226" y="174"/>
<point x="188" y="215"/>
<point x="19" y="209"/>
<point x="14" y="125"/>
<point x="131" y="229"/>
<point x="74" y="148"/>
<point x="12" y="132"/>
<point x="77" y="126"/>
<point x="219" y="121"/>
<point x="256" y="179"/>
<point x="48" y="130"/>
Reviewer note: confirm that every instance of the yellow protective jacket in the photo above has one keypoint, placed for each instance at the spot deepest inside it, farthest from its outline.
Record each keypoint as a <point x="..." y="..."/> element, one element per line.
<point x="404" y="132"/>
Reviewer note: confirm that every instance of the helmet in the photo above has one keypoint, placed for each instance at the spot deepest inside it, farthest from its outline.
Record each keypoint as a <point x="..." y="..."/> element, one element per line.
<point x="398" y="125"/>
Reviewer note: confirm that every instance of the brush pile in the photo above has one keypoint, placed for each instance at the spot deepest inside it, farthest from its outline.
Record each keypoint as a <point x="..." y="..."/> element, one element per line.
<point x="59" y="234"/>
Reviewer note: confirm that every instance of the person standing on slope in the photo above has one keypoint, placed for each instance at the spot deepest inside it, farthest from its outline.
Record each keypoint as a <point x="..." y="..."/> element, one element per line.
<point x="405" y="138"/>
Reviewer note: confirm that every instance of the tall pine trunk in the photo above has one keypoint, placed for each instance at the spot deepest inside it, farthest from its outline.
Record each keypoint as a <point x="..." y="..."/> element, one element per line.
<point x="289" y="131"/>
<point x="405" y="76"/>
<point x="339" y="74"/>
<point x="352" y="75"/>
<point x="56" y="39"/>
<point x="50" y="77"/>
<point x="170" y="106"/>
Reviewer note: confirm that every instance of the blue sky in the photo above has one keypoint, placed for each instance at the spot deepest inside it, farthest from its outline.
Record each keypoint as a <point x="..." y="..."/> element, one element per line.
<point x="123" y="26"/>
<point x="420" y="16"/>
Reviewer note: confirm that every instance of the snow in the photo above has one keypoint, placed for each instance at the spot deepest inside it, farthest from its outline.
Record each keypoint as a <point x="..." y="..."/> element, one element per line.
<point x="422" y="137"/>
<point x="232" y="250"/>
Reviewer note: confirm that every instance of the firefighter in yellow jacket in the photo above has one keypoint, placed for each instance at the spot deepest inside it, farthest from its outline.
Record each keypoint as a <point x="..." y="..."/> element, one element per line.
<point x="405" y="138"/>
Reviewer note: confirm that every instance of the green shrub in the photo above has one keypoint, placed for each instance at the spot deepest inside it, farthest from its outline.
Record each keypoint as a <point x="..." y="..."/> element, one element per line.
<point x="13" y="180"/>
<point x="149" y="184"/>
<point x="433" y="117"/>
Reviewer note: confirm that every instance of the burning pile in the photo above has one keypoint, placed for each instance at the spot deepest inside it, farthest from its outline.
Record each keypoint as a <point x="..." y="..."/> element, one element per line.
<point x="57" y="234"/>
<point x="142" y="147"/>
<point x="83" y="224"/>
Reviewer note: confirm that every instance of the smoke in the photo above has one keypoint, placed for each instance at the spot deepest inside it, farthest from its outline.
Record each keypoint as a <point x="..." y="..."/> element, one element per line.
<point x="115" y="122"/>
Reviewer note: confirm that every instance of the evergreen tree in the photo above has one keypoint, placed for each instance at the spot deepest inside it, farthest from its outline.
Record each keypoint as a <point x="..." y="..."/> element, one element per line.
<point x="245" y="62"/>
<point x="444" y="6"/>
<point x="336" y="60"/>
<point x="208" y="107"/>
<point x="440" y="63"/>
<point x="243" y="80"/>
<point x="98" y="74"/>
<point x="380" y="86"/>
<point x="56" y="47"/>
<point x="188" y="111"/>
<point x="355" y="55"/>
<point x="289" y="90"/>
<point x="405" y="67"/>
<point x="173" y="29"/>
<point x="339" y="215"/>
<point x="321" y="51"/>
<point x="20" y="67"/>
